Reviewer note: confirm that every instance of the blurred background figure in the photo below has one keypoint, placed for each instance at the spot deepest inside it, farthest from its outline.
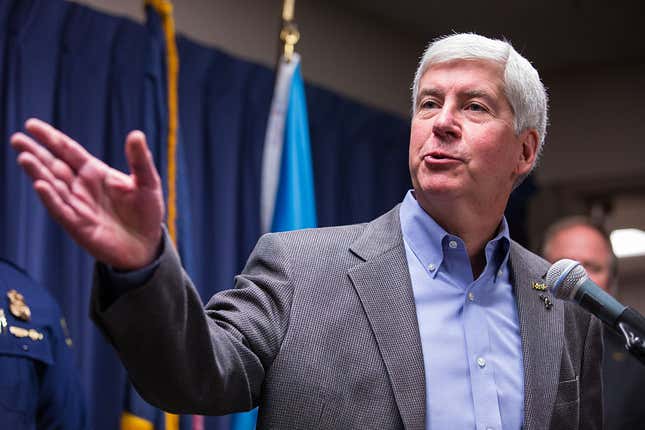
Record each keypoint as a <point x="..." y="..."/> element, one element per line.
<point x="39" y="385"/>
<point x="580" y="239"/>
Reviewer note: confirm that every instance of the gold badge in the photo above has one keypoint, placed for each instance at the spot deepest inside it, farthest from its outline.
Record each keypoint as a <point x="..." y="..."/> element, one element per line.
<point x="17" y="305"/>
<point x="23" y="332"/>
<point x="539" y="286"/>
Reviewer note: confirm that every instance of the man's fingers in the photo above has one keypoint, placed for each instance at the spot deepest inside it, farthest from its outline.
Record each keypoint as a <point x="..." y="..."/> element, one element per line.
<point x="35" y="168"/>
<point x="77" y="200"/>
<point x="25" y="144"/>
<point x="61" y="145"/>
<point x="60" y="211"/>
<point x="140" y="161"/>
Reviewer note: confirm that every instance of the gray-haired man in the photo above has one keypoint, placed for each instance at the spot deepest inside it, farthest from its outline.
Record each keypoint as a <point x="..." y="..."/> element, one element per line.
<point x="429" y="316"/>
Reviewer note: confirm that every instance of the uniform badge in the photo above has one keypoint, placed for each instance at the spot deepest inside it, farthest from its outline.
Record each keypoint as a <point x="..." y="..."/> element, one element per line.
<point x="17" y="305"/>
<point x="539" y="286"/>
<point x="23" y="332"/>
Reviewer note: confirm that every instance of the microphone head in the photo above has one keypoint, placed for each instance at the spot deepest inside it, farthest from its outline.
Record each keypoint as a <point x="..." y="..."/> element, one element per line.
<point x="563" y="277"/>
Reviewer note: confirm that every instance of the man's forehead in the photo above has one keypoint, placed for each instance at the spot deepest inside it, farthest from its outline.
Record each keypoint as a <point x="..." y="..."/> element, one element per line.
<point x="581" y="232"/>
<point x="466" y="75"/>
<point x="581" y="237"/>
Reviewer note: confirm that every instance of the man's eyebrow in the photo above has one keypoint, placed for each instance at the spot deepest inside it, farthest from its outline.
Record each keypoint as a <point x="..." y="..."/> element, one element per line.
<point x="472" y="94"/>
<point x="425" y="92"/>
<point x="468" y="94"/>
<point x="430" y="92"/>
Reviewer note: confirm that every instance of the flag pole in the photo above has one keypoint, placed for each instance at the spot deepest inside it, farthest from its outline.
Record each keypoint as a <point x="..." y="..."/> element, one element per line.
<point x="289" y="33"/>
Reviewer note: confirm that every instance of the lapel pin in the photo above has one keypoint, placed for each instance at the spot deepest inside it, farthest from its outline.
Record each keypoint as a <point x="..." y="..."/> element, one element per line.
<point x="548" y="304"/>
<point x="539" y="286"/>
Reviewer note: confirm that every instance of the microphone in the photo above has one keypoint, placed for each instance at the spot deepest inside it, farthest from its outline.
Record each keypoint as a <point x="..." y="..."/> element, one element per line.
<point x="568" y="280"/>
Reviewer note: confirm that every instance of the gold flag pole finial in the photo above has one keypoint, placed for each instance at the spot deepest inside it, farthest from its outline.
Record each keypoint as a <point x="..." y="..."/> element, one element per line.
<point x="289" y="34"/>
<point x="287" y="10"/>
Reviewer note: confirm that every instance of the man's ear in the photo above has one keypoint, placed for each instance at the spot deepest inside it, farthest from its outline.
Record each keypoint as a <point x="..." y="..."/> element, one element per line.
<point x="529" y="140"/>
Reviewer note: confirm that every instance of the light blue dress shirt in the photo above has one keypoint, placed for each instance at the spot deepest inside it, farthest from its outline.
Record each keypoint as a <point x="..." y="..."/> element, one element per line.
<point x="469" y="329"/>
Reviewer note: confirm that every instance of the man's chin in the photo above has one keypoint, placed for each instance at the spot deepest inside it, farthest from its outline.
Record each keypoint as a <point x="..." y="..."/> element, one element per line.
<point x="436" y="193"/>
<point x="439" y="188"/>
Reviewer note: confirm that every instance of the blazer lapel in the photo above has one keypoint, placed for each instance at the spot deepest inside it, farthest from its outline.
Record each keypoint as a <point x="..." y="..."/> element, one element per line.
<point x="542" y="333"/>
<point x="383" y="285"/>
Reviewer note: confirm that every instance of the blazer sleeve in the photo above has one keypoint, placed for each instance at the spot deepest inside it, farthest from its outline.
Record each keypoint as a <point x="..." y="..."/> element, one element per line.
<point x="591" y="407"/>
<point x="185" y="358"/>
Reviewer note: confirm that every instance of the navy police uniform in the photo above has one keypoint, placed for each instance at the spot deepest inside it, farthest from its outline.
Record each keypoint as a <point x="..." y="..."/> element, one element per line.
<point x="39" y="386"/>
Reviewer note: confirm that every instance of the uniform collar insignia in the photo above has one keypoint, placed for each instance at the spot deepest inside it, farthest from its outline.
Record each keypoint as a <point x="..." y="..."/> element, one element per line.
<point x="17" y="305"/>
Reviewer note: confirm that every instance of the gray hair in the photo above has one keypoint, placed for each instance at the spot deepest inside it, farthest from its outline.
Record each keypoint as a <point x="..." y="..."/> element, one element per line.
<point x="524" y="90"/>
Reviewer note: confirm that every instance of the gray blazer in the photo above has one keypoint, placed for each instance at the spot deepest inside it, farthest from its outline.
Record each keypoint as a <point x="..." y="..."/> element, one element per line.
<point x="321" y="332"/>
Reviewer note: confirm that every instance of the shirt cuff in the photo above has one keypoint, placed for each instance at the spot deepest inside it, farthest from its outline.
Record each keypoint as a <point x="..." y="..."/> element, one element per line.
<point x="122" y="282"/>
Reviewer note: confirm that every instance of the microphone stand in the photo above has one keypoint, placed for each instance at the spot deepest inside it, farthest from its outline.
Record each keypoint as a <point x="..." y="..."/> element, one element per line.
<point x="633" y="343"/>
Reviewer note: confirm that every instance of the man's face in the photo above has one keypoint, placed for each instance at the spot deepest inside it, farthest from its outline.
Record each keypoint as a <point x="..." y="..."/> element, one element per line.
<point x="586" y="245"/>
<point x="463" y="141"/>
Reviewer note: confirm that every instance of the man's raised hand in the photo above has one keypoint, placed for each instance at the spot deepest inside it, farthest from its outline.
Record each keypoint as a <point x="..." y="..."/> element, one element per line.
<point x="115" y="217"/>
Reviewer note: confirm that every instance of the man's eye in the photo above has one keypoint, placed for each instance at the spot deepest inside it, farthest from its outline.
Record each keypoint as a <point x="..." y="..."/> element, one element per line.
<point x="476" y="107"/>
<point x="429" y="104"/>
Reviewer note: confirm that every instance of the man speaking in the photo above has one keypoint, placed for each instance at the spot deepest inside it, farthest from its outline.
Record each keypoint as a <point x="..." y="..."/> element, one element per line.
<point x="430" y="316"/>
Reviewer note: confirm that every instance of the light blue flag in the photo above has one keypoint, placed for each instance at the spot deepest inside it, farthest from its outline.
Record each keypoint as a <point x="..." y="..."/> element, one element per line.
<point x="288" y="201"/>
<point x="295" y="203"/>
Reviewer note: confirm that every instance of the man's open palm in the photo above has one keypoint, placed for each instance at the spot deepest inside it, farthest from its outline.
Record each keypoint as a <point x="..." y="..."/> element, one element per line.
<point x="115" y="216"/>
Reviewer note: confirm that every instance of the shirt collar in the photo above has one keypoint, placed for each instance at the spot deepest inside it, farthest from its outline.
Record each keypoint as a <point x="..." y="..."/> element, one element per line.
<point x="427" y="239"/>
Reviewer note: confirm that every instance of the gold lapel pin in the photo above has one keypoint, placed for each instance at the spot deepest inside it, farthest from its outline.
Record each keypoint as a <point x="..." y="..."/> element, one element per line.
<point x="17" y="305"/>
<point x="539" y="286"/>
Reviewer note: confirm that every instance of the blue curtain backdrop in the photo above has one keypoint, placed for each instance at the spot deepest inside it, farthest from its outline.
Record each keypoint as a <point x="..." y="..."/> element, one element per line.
<point x="97" y="77"/>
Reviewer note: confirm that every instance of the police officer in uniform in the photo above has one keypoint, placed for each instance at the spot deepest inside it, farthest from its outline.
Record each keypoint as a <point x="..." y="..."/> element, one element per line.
<point x="39" y="386"/>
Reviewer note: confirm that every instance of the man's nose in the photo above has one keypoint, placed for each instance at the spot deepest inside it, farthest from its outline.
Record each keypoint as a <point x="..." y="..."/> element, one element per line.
<point x="446" y="123"/>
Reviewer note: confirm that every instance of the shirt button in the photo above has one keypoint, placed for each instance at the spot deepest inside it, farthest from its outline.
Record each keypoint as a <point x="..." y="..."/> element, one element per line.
<point x="452" y="244"/>
<point x="481" y="362"/>
<point x="431" y="267"/>
<point x="500" y="273"/>
<point x="471" y="296"/>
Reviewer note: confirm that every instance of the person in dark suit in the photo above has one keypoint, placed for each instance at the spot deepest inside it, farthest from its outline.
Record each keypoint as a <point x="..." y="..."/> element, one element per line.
<point x="430" y="316"/>
<point x="580" y="239"/>
<point x="39" y="385"/>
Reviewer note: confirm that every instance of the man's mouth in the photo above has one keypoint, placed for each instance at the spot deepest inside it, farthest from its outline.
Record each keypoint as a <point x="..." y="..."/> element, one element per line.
<point x="440" y="156"/>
